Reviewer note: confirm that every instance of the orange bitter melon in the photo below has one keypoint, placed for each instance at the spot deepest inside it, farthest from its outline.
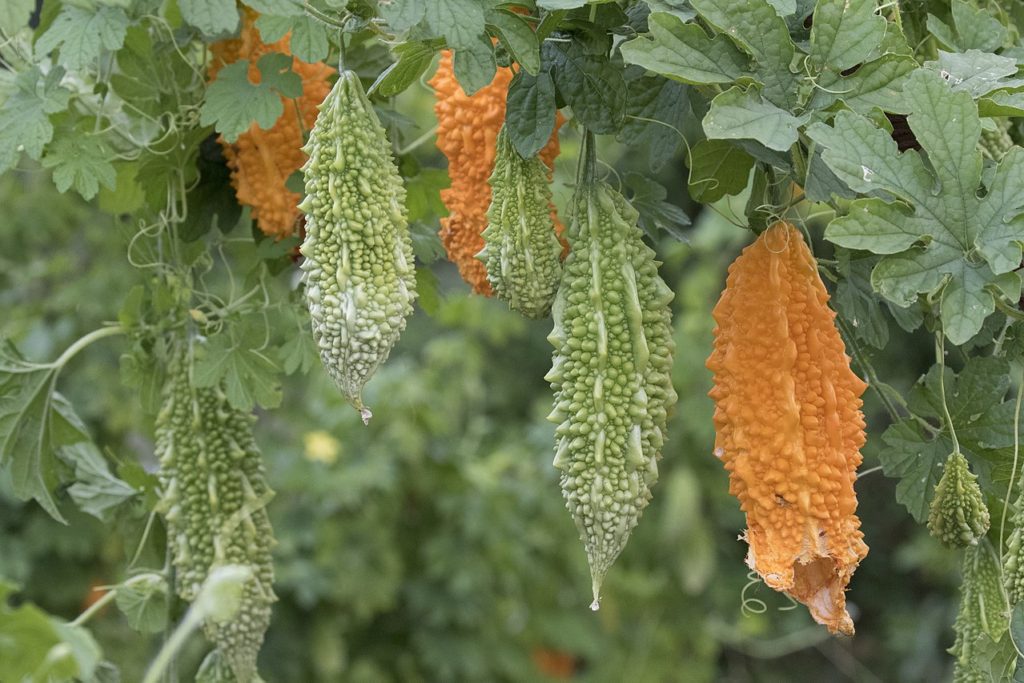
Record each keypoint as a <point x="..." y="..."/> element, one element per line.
<point x="788" y="423"/>
<point x="467" y="133"/>
<point x="261" y="161"/>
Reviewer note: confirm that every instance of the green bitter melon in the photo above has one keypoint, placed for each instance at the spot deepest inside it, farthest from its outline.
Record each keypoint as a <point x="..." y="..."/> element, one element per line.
<point x="521" y="249"/>
<point x="997" y="142"/>
<point x="983" y="611"/>
<point x="359" y="269"/>
<point x="958" y="515"/>
<point x="611" y="371"/>
<point x="214" y="500"/>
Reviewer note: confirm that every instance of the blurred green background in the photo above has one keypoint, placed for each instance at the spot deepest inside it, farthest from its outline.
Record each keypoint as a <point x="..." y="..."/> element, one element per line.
<point x="433" y="545"/>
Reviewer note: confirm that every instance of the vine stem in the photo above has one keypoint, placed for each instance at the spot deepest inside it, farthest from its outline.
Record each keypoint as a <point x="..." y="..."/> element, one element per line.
<point x="1013" y="471"/>
<point x="940" y="351"/>
<point x="876" y="468"/>
<point x="1008" y="310"/>
<point x="421" y="140"/>
<point x="84" y="341"/>
<point x="869" y="370"/>
<point x="172" y="645"/>
<point x="95" y="607"/>
<point x="320" y="16"/>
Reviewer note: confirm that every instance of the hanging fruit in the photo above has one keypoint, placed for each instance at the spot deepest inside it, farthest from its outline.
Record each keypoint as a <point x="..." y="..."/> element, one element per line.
<point x="788" y="423"/>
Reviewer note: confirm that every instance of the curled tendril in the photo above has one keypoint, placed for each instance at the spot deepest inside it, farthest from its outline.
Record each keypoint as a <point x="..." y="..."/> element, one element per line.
<point x="751" y="606"/>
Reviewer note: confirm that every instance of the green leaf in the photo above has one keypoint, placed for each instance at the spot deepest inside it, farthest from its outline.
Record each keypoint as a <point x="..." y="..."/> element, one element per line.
<point x="758" y="30"/>
<point x="429" y="291"/>
<point x="917" y="462"/>
<point x="975" y="72"/>
<point x="413" y="59"/>
<point x="248" y="376"/>
<point x="875" y="85"/>
<point x="36" y="647"/>
<point x="1017" y="628"/>
<point x="233" y="102"/>
<point x="474" y="66"/>
<point x="518" y="38"/>
<point x="423" y="195"/>
<point x="426" y="244"/>
<point x="82" y="34"/>
<point x="35" y="421"/>
<point x="856" y="302"/>
<point x="212" y="17"/>
<point x="717" y="169"/>
<point x="24" y="121"/>
<point x="679" y="8"/>
<point x="461" y="22"/>
<point x="983" y="420"/>
<point x="14" y="15"/>
<point x="936" y="243"/>
<point x="80" y="161"/>
<point x="976" y="28"/>
<point x="79" y="654"/>
<point x="309" y="40"/>
<point x="1002" y="104"/>
<point x="272" y="27"/>
<point x="401" y="15"/>
<point x="126" y="195"/>
<point x="284" y="8"/>
<point x="298" y="354"/>
<point x="821" y="184"/>
<point x="941" y="31"/>
<point x="656" y="214"/>
<point x="530" y="112"/>
<point x="684" y="52"/>
<point x="95" y="491"/>
<point x="589" y="83"/>
<point x="844" y="33"/>
<point x="657" y="110"/>
<point x="744" y="114"/>
<point x="143" y="599"/>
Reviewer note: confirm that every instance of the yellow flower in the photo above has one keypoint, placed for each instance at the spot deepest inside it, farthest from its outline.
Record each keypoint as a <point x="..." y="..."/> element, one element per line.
<point x="321" y="447"/>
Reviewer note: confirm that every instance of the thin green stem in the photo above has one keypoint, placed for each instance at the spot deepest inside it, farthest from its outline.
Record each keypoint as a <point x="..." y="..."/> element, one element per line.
<point x="88" y="339"/>
<point x="1009" y="310"/>
<point x="940" y="353"/>
<point x="873" y="381"/>
<point x="1016" y="453"/>
<point x="321" y="17"/>
<point x="172" y="645"/>
<point x="421" y="140"/>
<point x="142" y="541"/>
<point x="95" y="607"/>
<point x="876" y="468"/>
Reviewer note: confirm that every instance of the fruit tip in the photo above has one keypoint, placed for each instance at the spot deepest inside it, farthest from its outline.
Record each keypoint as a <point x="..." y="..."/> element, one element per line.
<point x="596" y="604"/>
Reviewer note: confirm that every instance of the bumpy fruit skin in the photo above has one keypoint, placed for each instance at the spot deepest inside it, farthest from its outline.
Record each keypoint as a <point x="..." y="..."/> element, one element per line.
<point x="958" y="516"/>
<point x="467" y="133"/>
<point x="261" y="161"/>
<point x="522" y="253"/>
<point x="788" y="423"/>
<point x="359" y="268"/>
<point x="1013" y="567"/>
<point x="611" y="374"/>
<point x="983" y="610"/>
<point x="214" y="500"/>
<point x="996" y="143"/>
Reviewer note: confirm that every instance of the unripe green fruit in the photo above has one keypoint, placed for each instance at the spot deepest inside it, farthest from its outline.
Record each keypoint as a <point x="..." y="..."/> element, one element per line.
<point x="359" y="267"/>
